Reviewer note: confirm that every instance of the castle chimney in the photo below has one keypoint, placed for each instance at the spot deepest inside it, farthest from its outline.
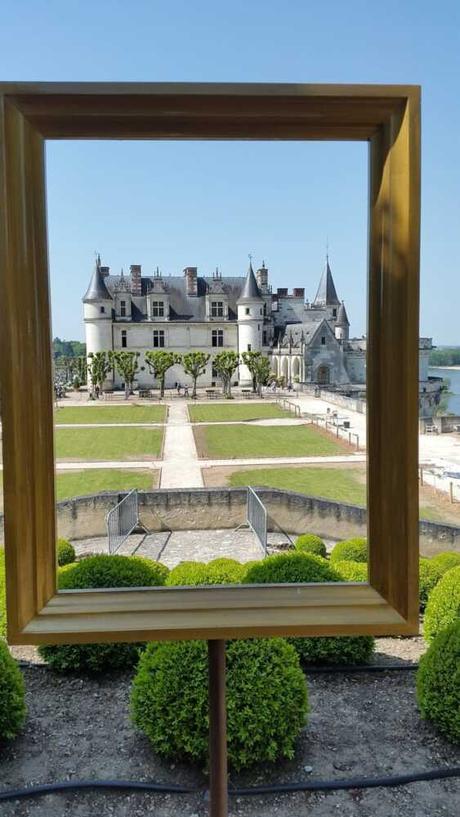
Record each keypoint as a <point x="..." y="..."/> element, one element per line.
<point x="191" y="281"/>
<point x="105" y="271"/>
<point x="282" y="292"/>
<point x="262" y="277"/>
<point x="299" y="292"/>
<point x="136" y="279"/>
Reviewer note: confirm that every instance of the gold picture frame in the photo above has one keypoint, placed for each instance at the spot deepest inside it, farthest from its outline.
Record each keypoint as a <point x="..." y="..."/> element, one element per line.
<point x="388" y="118"/>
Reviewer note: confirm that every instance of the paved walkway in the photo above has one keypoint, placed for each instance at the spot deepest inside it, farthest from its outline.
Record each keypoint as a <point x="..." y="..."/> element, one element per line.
<point x="180" y="467"/>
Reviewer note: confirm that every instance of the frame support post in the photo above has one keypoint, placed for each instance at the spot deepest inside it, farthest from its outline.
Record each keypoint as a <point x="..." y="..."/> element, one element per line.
<point x="217" y="730"/>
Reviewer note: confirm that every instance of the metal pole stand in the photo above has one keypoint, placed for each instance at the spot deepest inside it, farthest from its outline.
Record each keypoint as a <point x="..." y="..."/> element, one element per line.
<point x="218" y="793"/>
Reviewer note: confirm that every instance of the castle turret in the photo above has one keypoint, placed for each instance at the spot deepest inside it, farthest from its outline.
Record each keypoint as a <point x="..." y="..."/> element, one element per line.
<point x="250" y="321"/>
<point x="97" y="310"/>
<point x="326" y="294"/>
<point x="342" y="326"/>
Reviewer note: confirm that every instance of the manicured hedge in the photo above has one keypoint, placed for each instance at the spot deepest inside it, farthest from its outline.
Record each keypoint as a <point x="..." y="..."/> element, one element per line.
<point x="438" y="682"/>
<point x="304" y="567"/>
<point x="350" y="550"/>
<point x="352" y="571"/>
<point x="429" y="575"/>
<point x="65" y="552"/>
<point x="447" y="560"/>
<point x="218" y="571"/>
<point x="98" y="572"/>
<point x="310" y="543"/>
<point x="266" y="700"/>
<point x="443" y="608"/>
<point x="12" y="706"/>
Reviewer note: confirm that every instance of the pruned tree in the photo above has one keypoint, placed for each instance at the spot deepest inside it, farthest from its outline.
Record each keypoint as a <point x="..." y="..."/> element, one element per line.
<point x="82" y="369"/>
<point x="159" y="361"/>
<point x="263" y="375"/>
<point x="253" y="361"/>
<point x="127" y="366"/>
<point x="99" y="366"/>
<point x="225" y="364"/>
<point x="194" y="364"/>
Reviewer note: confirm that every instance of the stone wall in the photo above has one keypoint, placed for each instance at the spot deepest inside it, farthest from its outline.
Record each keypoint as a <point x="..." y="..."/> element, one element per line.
<point x="208" y="508"/>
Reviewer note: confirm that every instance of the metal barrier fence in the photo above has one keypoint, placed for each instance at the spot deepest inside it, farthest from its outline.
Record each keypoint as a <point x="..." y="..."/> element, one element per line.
<point x="288" y="405"/>
<point x="257" y="518"/>
<point x="122" y="520"/>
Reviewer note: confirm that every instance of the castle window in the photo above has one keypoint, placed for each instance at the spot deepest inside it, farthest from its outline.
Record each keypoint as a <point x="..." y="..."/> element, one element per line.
<point x="124" y="339"/>
<point x="217" y="337"/>
<point x="264" y="338"/>
<point x="260" y="310"/>
<point x="158" y="309"/>
<point x="217" y="309"/>
<point x="265" y="308"/>
<point x="123" y="309"/>
<point x="249" y="347"/>
<point x="214" y="372"/>
<point x="323" y="341"/>
<point x="334" y="313"/>
<point x="102" y="310"/>
<point x="158" y="338"/>
<point x="247" y="311"/>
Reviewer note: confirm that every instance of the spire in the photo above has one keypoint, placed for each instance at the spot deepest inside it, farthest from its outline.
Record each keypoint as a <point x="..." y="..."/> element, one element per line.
<point x="342" y="317"/>
<point x="250" y="289"/>
<point x="326" y="294"/>
<point x="97" y="290"/>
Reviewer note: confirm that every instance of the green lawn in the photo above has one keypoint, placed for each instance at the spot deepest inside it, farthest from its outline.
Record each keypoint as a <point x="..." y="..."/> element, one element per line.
<point x="230" y="442"/>
<point x="238" y="411"/>
<point x="79" y="483"/>
<point x="340" y="484"/>
<point x="108" y="443"/>
<point x="110" y="414"/>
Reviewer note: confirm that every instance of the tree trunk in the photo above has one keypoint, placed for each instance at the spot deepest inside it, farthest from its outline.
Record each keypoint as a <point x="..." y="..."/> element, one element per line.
<point x="162" y="387"/>
<point x="194" y="388"/>
<point x="126" y="389"/>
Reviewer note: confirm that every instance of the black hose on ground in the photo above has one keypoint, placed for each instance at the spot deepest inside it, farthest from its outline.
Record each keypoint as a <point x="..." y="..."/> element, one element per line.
<point x="278" y="788"/>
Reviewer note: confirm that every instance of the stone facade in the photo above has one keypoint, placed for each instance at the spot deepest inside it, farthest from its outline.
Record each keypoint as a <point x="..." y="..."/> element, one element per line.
<point x="305" y="342"/>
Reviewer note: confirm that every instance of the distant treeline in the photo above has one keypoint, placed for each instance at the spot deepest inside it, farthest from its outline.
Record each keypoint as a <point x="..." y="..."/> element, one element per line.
<point x="68" y="348"/>
<point x="445" y="356"/>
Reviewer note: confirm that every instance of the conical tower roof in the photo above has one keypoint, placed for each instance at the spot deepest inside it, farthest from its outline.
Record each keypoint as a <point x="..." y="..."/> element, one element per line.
<point x="326" y="294"/>
<point x="250" y="290"/>
<point x="97" y="290"/>
<point x="342" y="317"/>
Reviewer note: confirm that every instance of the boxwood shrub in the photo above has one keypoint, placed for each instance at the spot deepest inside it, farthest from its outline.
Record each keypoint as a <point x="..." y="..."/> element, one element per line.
<point x="310" y="543"/>
<point x="102" y="571"/>
<point x="429" y="575"/>
<point x="218" y="571"/>
<point x="350" y="550"/>
<point x="12" y="706"/>
<point x="438" y="682"/>
<point x="447" y="560"/>
<point x="266" y="700"/>
<point x="443" y="606"/>
<point x="304" y="567"/>
<point x="352" y="571"/>
<point x="65" y="552"/>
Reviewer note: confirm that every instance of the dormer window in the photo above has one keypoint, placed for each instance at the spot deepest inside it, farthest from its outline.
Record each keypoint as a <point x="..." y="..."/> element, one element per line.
<point x="334" y="313"/>
<point x="323" y="340"/>
<point x="217" y="309"/>
<point x="247" y="311"/>
<point x="102" y="310"/>
<point x="123" y="309"/>
<point x="158" y="309"/>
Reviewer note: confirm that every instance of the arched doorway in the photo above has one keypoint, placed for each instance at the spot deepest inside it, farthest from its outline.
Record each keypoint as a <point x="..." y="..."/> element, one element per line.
<point x="296" y="369"/>
<point x="323" y="375"/>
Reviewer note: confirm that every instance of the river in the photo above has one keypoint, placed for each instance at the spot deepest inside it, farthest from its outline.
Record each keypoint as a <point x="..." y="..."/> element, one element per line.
<point x="453" y="375"/>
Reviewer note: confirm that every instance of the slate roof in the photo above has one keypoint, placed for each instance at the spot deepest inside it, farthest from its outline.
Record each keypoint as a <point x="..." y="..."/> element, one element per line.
<point x="326" y="294"/>
<point x="97" y="290"/>
<point x="181" y="306"/>
<point x="342" y="317"/>
<point x="250" y="289"/>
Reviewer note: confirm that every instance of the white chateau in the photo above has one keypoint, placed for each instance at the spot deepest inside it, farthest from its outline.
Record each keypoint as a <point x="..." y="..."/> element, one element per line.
<point x="305" y="341"/>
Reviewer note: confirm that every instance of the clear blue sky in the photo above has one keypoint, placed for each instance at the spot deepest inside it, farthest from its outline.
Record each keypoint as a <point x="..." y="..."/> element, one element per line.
<point x="211" y="204"/>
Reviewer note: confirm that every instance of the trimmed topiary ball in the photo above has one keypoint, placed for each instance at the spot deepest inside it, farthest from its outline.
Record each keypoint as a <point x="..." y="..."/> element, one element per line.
<point x="350" y="550"/>
<point x="218" y="571"/>
<point x="443" y="608"/>
<point x="102" y="571"/>
<point x="12" y="706"/>
<point x="310" y="543"/>
<point x="438" y="682"/>
<point x="303" y="567"/>
<point x="447" y="560"/>
<point x="65" y="552"/>
<point x="266" y="700"/>
<point x="429" y="575"/>
<point x="352" y="571"/>
<point x="2" y="594"/>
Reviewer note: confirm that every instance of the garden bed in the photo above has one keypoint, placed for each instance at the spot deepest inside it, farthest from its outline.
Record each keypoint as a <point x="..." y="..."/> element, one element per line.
<point x="361" y="724"/>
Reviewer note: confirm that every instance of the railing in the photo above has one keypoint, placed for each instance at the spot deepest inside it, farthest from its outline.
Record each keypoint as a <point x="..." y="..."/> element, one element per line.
<point x="441" y="481"/>
<point x="288" y="405"/>
<point x="341" y="430"/>
<point x="122" y="520"/>
<point x="257" y="518"/>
